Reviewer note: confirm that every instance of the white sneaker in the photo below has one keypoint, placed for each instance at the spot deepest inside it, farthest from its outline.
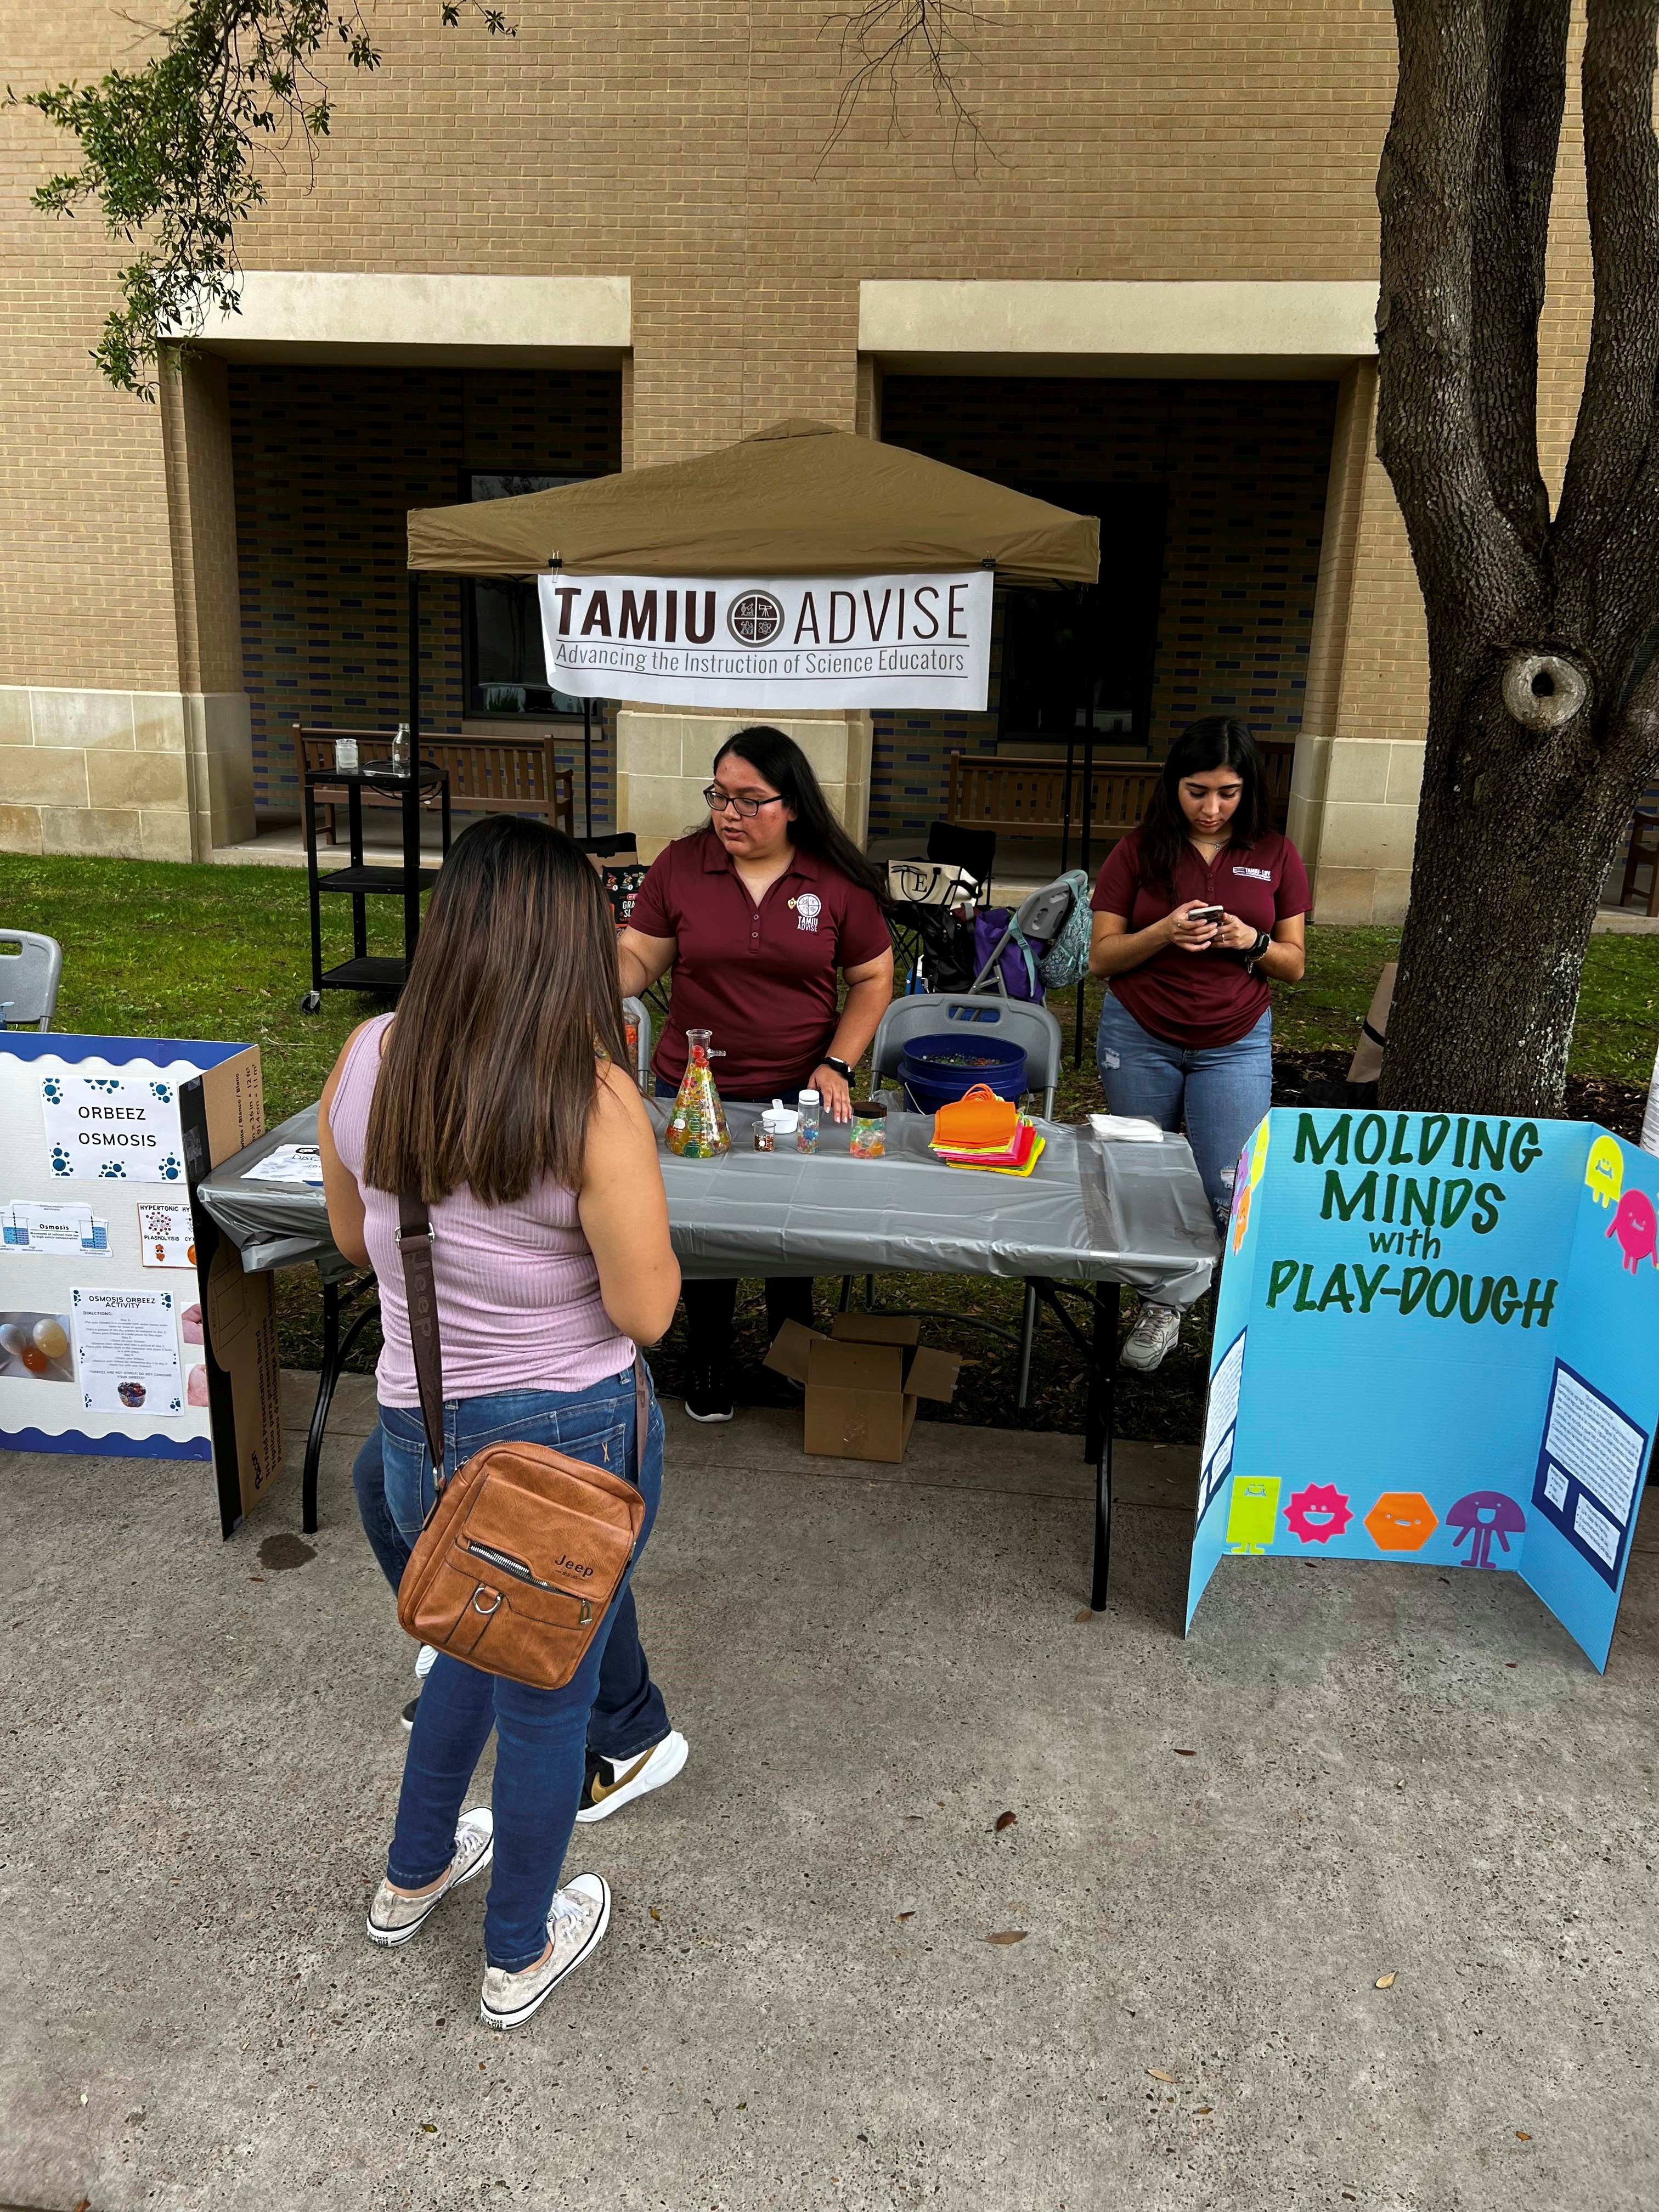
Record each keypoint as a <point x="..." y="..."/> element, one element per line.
<point x="612" y="1783"/>
<point x="581" y="1915"/>
<point x="394" y="1918"/>
<point x="1153" y="1338"/>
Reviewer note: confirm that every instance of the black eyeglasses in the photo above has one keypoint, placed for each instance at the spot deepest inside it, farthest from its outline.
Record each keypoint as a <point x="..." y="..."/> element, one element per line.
<point x="722" y="802"/>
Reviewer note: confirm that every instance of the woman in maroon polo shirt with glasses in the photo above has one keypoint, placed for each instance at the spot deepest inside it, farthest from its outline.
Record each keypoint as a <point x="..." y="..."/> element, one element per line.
<point x="1195" y="912"/>
<point x="760" y="915"/>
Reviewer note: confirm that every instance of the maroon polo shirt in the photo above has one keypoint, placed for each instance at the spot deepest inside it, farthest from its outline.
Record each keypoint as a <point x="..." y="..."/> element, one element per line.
<point x="1197" y="998"/>
<point x="763" y="978"/>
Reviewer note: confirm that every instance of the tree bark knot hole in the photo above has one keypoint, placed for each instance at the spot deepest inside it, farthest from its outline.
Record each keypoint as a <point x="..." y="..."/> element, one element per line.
<point x="1543" y="691"/>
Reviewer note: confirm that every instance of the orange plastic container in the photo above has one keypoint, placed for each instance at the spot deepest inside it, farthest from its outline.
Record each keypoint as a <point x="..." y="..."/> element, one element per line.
<point x="979" y="1121"/>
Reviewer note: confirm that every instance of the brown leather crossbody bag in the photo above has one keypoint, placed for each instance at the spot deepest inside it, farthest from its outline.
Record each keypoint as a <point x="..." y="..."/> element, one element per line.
<point x="525" y="1548"/>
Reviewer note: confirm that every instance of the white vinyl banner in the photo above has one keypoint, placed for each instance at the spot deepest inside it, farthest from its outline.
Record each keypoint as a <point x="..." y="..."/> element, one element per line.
<point x="789" y="641"/>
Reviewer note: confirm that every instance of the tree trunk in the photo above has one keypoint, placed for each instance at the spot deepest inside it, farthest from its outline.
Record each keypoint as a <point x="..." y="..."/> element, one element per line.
<point x="1543" y="681"/>
<point x="1512" y="846"/>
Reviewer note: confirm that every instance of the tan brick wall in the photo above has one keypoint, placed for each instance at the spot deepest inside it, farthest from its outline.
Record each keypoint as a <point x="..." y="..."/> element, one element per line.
<point x="683" y="142"/>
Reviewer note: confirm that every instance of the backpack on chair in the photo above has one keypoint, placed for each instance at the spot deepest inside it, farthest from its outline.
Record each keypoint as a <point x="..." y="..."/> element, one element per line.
<point x="1067" y="960"/>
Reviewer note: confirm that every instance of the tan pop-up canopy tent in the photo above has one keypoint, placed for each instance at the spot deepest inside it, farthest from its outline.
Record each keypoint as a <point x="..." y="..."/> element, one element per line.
<point x="799" y="499"/>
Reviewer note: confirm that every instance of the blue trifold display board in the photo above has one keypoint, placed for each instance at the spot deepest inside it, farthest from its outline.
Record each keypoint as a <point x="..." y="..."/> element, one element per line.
<point x="1435" y="1342"/>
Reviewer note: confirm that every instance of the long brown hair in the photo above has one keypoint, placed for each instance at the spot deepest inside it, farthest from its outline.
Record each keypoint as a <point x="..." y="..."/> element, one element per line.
<point x="815" y="828"/>
<point x="1217" y="741"/>
<point x="488" y="1073"/>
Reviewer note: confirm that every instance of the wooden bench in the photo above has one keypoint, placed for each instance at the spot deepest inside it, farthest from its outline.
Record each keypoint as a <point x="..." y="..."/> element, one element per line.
<point x="487" y="776"/>
<point x="1027" y="798"/>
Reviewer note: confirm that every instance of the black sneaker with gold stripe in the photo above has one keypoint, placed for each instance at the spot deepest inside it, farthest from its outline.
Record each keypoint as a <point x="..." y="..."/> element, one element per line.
<point x="610" y="1783"/>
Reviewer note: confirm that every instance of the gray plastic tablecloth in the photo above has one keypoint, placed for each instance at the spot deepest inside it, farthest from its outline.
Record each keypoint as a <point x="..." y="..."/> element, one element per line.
<point x="1088" y="1211"/>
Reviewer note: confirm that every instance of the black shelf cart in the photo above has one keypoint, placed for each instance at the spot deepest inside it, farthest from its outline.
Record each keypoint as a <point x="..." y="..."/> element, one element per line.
<point x="362" y="880"/>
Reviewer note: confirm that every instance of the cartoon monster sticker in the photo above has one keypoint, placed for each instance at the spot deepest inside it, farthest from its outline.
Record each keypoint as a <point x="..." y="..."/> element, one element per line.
<point x="1483" y="1515"/>
<point x="1604" y="1170"/>
<point x="1252" y="1512"/>
<point x="1635" y="1226"/>
<point x="1318" y="1513"/>
<point x="1401" y="1521"/>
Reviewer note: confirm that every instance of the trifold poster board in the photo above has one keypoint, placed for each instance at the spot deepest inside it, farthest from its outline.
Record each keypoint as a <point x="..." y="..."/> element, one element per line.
<point x="127" y="1328"/>
<point x="1437" y="1341"/>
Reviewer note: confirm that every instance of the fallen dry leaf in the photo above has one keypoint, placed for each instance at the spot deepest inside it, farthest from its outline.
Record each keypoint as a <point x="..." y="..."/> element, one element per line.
<point x="655" y="1915"/>
<point x="908" y="1916"/>
<point x="1520" y="2136"/>
<point x="1202" y="2112"/>
<point x="1005" y="1820"/>
<point x="1008" y="1935"/>
<point x="1180" y="1753"/>
<point x="1087" y="1613"/>
<point x="1158" y="2074"/>
<point x="1383" y="1982"/>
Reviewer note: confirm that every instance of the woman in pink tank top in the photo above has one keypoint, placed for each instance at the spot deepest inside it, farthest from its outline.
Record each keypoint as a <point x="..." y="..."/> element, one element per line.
<point x="501" y="1088"/>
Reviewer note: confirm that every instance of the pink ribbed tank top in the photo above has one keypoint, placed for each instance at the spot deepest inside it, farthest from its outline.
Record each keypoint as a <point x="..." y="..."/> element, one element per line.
<point x="518" y="1303"/>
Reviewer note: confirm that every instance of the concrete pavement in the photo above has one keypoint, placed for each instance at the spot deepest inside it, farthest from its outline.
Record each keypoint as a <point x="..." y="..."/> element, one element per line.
<point x="1219" y="1847"/>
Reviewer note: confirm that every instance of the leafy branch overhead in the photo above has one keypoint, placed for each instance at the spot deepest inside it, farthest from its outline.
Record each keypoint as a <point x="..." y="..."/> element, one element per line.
<point x="172" y="152"/>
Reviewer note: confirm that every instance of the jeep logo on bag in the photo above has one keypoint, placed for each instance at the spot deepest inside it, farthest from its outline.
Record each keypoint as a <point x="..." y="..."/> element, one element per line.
<point x="573" y="1567"/>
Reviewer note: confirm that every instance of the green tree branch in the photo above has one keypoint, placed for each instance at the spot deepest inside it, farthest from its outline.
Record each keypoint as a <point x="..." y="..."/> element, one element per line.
<point x="172" y="153"/>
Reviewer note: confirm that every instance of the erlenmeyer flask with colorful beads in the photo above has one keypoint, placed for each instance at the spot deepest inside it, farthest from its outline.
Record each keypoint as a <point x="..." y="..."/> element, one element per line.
<point x="696" y="1128"/>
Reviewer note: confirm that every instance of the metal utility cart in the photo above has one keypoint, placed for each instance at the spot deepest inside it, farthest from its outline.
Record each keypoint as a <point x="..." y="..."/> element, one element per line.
<point x="361" y="880"/>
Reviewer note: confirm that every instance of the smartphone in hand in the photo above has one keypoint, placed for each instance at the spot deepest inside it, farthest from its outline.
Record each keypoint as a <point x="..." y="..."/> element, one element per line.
<point x="1206" y="913"/>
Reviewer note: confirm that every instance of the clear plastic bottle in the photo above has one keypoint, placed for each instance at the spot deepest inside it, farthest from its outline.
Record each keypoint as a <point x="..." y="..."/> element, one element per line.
<point x="807" y="1136"/>
<point x="400" y="763"/>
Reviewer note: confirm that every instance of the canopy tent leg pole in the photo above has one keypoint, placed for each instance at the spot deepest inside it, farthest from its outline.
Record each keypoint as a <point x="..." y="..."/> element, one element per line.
<point x="587" y="767"/>
<point x="1088" y="819"/>
<point x="414" y="716"/>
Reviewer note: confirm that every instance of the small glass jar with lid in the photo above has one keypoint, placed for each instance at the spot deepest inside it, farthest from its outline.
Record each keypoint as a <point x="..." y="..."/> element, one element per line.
<point x="869" y="1129"/>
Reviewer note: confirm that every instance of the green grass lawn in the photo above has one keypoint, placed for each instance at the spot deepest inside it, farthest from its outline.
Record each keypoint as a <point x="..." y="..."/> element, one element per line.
<point x="152" y="949"/>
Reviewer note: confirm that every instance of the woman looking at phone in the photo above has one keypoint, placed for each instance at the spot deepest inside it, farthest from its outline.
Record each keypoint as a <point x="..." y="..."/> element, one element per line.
<point x="1195" y="914"/>
<point x="762" y="913"/>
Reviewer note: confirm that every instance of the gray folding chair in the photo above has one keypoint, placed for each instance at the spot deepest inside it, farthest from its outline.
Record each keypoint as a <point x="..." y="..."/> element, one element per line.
<point x="634" y="1011"/>
<point x="1010" y="1021"/>
<point x="30" y="966"/>
<point x="1040" y="916"/>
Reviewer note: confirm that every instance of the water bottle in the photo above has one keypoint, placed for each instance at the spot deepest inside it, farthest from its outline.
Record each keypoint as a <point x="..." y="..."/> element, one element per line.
<point x="807" y="1136"/>
<point x="400" y="750"/>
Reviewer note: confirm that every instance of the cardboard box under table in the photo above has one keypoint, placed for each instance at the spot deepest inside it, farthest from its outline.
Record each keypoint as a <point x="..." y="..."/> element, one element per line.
<point x="863" y="1382"/>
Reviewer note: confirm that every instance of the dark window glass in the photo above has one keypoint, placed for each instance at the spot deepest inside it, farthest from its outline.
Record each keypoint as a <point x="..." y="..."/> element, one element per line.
<point x="1078" y="661"/>
<point x="506" y="667"/>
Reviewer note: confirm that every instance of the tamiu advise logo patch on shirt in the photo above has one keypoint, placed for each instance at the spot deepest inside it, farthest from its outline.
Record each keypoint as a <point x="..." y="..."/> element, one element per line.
<point x="1257" y="875"/>
<point x="808" y="907"/>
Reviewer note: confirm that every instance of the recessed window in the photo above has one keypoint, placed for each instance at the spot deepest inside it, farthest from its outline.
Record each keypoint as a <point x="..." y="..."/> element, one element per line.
<point x="505" y="668"/>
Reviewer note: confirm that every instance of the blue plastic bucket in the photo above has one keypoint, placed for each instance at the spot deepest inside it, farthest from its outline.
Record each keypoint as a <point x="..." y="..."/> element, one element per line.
<point x="936" y="1070"/>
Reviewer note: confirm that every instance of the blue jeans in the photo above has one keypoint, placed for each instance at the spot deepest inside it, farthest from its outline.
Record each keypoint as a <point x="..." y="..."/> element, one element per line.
<point x="540" y="1735"/>
<point x="1224" y="1090"/>
<point x="629" y="1713"/>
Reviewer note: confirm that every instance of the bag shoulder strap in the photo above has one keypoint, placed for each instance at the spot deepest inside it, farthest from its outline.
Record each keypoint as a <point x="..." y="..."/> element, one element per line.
<point x="416" y="1238"/>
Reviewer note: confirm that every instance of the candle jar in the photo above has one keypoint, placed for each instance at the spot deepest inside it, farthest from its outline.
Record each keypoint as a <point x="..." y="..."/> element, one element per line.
<point x="869" y="1129"/>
